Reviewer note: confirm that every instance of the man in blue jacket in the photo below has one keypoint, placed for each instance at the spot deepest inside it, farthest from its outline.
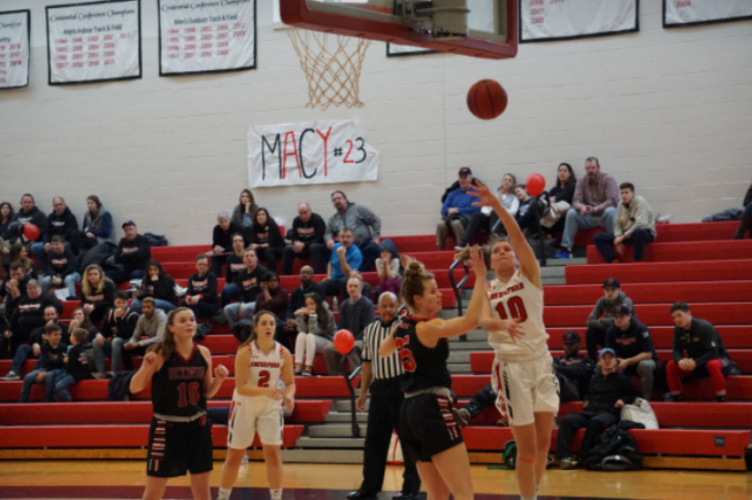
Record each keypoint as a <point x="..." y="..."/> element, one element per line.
<point x="457" y="209"/>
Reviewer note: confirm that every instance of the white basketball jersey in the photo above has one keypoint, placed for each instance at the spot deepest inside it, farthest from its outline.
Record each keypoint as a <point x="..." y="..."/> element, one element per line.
<point x="518" y="299"/>
<point x="265" y="370"/>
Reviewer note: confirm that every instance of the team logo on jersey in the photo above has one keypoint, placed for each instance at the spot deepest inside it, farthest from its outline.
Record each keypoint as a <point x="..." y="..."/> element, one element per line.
<point x="187" y="372"/>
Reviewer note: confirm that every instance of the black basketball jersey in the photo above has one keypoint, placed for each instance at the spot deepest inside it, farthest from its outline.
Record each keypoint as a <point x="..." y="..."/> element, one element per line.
<point x="425" y="367"/>
<point x="177" y="389"/>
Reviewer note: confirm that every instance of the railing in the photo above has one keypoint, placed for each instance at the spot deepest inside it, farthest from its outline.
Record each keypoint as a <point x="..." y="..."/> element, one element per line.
<point x="351" y="389"/>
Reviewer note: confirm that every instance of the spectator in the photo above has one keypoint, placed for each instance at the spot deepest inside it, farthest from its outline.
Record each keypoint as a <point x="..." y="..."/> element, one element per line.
<point x="526" y="215"/>
<point x="705" y="354"/>
<point x="29" y="315"/>
<point x="245" y="211"/>
<point x="158" y="285"/>
<point x="6" y="216"/>
<point x="80" y="319"/>
<point x="30" y="214"/>
<point x="633" y="346"/>
<point x="60" y="222"/>
<point x="486" y="219"/>
<point x="33" y="349"/>
<point x="266" y="239"/>
<point x="634" y="225"/>
<point x="235" y="266"/>
<point x="365" y="227"/>
<point x="457" y="210"/>
<point x="249" y="288"/>
<point x="298" y="298"/>
<point x="308" y="229"/>
<point x="222" y="241"/>
<point x="346" y="258"/>
<point x="150" y="324"/>
<point x="52" y="365"/>
<point x="273" y="298"/>
<point x="560" y="198"/>
<point x="117" y="329"/>
<point x="61" y="267"/>
<point x="744" y="225"/>
<point x="315" y="323"/>
<point x="19" y="253"/>
<point x="133" y="254"/>
<point x="573" y="370"/>
<point x="388" y="268"/>
<point x="602" y="316"/>
<point x="201" y="297"/>
<point x="97" y="291"/>
<point x="484" y="398"/>
<point x="13" y="289"/>
<point x="355" y="314"/>
<point x="77" y="368"/>
<point x="594" y="205"/>
<point x="608" y="393"/>
<point x="97" y="227"/>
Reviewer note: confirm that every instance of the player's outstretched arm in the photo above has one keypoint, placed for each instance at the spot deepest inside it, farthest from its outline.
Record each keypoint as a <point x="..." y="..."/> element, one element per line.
<point x="151" y="363"/>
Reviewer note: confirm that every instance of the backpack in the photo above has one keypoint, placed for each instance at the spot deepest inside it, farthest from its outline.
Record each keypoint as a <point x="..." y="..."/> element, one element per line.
<point x="617" y="450"/>
<point x="509" y="454"/>
<point x="156" y="240"/>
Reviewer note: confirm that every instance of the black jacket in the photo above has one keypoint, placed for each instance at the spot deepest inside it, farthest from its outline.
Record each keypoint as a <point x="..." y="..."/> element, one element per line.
<point x="163" y="289"/>
<point x="53" y="358"/>
<point x="34" y="216"/>
<point x="309" y="232"/>
<point x="565" y="193"/>
<point x="634" y="340"/>
<point x="701" y="343"/>
<point x="63" y="225"/>
<point x="580" y="369"/>
<point x="224" y="239"/>
<point x="78" y="363"/>
<point x="101" y="301"/>
<point x="30" y="313"/>
<point x="605" y="390"/>
<point x="36" y="335"/>
<point x="133" y="254"/>
<point x="205" y="285"/>
<point x="62" y="265"/>
<point x="122" y="327"/>
<point x="249" y="284"/>
<point x="267" y="234"/>
<point x="297" y="297"/>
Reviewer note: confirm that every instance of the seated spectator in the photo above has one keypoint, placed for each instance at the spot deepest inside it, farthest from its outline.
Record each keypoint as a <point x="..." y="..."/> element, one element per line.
<point x="266" y="239"/>
<point x="365" y="227"/>
<point x="249" y="288"/>
<point x="117" y="329"/>
<point x="12" y="289"/>
<point x="244" y="212"/>
<point x="6" y="217"/>
<point x="28" y="316"/>
<point x="60" y="222"/>
<point x="593" y="205"/>
<point x="33" y="349"/>
<point x="560" y="198"/>
<point x="308" y="228"/>
<point x="484" y="398"/>
<point x="486" y="219"/>
<point x="573" y="370"/>
<point x="158" y="285"/>
<point x="18" y="253"/>
<point x="235" y="266"/>
<point x="201" y="296"/>
<point x="298" y="298"/>
<point x="77" y="367"/>
<point x="96" y="228"/>
<point x="150" y="324"/>
<point x="316" y="327"/>
<point x="222" y="241"/>
<point x="29" y="213"/>
<point x="133" y="254"/>
<point x="346" y="258"/>
<point x="698" y="353"/>
<point x="53" y="365"/>
<point x="97" y="292"/>
<point x="80" y="319"/>
<point x="634" y="225"/>
<point x="273" y="298"/>
<point x="745" y="224"/>
<point x="608" y="393"/>
<point x="61" y="267"/>
<point x="388" y="268"/>
<point x="602" y="316"/>
<point x="526" y="215"/>
<point x="632" y="344"/>
<point x="355" y="314"/>
<point x="457" y="210"/>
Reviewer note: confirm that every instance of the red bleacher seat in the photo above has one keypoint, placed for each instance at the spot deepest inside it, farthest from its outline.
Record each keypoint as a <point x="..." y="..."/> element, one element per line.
<point x="683" y="251"/>
<point x="655" y="272"/>
<point x="651" y="293"/>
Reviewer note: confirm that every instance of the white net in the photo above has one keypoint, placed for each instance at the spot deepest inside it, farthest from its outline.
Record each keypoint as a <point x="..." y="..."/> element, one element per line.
<point x="332" y="65"/>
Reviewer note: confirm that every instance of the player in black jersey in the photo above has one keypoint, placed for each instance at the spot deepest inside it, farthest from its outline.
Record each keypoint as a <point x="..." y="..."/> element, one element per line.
<point x="180" y="439"/>
<point x="429" y="432"/>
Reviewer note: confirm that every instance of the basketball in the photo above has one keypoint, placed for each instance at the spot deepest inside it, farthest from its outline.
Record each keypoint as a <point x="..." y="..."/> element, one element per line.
<point x="344" y="341"/>
<point x="535" y="184"/>
<point x="31" y="231"/>
<point x="487" y="99"/>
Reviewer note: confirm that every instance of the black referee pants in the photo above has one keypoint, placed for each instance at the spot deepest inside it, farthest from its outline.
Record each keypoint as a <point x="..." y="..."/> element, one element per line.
<point x="383" y="418"/>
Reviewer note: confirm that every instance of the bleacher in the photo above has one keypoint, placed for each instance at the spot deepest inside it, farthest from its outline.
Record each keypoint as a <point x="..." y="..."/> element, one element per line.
<point x="695" y="263"/>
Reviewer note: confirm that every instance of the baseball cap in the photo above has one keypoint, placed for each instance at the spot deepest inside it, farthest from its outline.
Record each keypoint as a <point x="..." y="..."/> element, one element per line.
<point x="606" y="350"/>
<point x="612" y="282"/>
<point x="622" y="311"/>
<point x="465" y="171"/>
<point x="571" y="337"/>
<point x="128" y="223"/>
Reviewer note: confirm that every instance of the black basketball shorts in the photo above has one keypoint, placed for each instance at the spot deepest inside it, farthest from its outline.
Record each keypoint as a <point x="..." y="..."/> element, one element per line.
<point x="176" y="448"/>
<point x="427" y="426"/>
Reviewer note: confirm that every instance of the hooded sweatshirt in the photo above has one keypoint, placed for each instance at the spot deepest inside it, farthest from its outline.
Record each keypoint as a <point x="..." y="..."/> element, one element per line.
<point x="100" y="226"/>
<point x="605" y="307"/>
<point x="63" y="224"/>
<point x="359" y="219"/>
<point x="33" y="216"/>
<point x="394" y="264"/>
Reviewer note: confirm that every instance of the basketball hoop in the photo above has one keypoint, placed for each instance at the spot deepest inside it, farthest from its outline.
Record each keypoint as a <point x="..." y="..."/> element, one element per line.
<point x="332" y="65"/>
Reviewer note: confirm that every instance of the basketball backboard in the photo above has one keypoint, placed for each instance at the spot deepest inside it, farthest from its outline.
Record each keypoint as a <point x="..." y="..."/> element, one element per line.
<point x="492" y="32"/>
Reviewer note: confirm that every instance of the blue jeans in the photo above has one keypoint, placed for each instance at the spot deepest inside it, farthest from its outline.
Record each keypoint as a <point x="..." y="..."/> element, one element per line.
<point x="122" y="276"/>
<point x="229" y="292"/>
<point x="37" y="249"/>
<point x="23" y="353"/>
<point x="62" y="382"/>
<point x="575" y="221"/>
<point x="233" y="315"/>
<point x="48" y="381"/>
<point x="69" y="282"/>
<point x="604" y="242"/>
<point x="112" y="349"/>
<point x="165" y="305"/>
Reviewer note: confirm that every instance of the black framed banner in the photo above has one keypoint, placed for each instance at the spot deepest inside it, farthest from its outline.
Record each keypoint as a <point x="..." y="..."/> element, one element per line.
<point x="206" y="37"/>
<point x="678" y="13"/>
<point x="94" y="42"/>
<point x="15" y="30"/>
<point x="552" y="20"/>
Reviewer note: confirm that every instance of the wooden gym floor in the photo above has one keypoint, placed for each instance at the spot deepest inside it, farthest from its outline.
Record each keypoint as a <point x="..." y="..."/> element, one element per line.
<point x="125" y="479"/>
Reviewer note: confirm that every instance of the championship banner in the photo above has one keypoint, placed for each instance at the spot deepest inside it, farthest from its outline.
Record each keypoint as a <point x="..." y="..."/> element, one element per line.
<point x="678" y="13"/>
<point x="206" y="36"/>
<point x="549" y="20"/>
<point x="94" y="42"/>
<point x="14" y="49"/>
<point x="299" y="154"/>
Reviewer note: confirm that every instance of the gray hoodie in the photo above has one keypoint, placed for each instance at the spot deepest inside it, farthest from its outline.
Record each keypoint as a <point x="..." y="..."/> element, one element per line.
<point x="605" y="308"/>
<point x="152" y="328"/>
<point x="365" y="224"/>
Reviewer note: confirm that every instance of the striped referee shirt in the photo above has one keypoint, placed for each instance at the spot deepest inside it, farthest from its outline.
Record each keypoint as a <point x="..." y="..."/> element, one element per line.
<point x="373" y="336"/>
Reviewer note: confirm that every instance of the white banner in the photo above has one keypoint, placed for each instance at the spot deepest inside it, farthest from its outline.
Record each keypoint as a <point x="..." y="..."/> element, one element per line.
<point x="324" y="152"/>
<point x="94" y="42"/>
<point x="688" y="12"/>
<point x="546" y="20"/>
<point x="206" y="36"/>
<point x="14" y="49"/>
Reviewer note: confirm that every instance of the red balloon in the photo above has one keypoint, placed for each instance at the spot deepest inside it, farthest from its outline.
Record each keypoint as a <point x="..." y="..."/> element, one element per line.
<point x="344" y="341"/>
<point x="535" y="184"/>
<point x="31" y="231"/>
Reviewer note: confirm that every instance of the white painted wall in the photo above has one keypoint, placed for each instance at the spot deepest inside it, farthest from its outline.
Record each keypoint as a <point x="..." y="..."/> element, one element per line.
<point x="669" y="110"/>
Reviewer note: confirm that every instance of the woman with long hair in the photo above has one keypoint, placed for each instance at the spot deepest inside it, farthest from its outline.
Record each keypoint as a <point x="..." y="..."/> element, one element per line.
<point x="180" y="438"/>
<point x="316" y="327"/>
<point x="560" y="198"/>
<point x="19" y="253"/>
<point x="6" y="215"/>
<point x="485" y="219"/>
<point x="156" y="284"/>
<point x="259" y="365"/>
<point x="96" y="228"/>
<point x="97" y="292"/>
<point x="429" y="432"/>
<point x="245" y="211"/>
<point x="266" y="239"/>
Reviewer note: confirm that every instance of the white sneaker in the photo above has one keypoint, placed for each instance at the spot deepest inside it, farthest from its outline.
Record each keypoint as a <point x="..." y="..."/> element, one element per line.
<point x="11" y="376"/>
<point x="245" y="459"/>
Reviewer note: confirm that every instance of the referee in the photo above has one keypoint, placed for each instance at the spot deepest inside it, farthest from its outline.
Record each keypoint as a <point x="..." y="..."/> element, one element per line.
<point x="383" y="415"/>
